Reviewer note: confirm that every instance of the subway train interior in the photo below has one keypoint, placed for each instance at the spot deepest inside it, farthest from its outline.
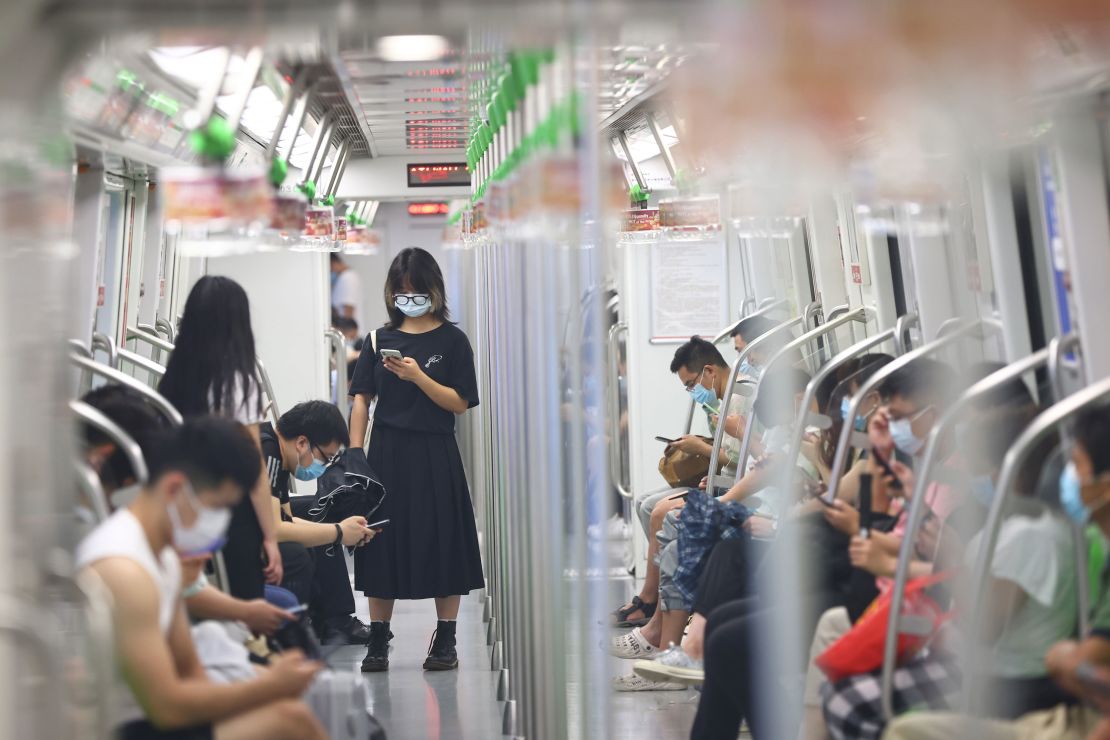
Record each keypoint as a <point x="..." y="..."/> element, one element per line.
<point x="555" y="369"/>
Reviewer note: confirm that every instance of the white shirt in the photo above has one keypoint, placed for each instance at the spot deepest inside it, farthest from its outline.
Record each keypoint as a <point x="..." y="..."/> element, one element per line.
<point x="1035" y="553"/>
<point x="121" y="536"/>
<point x="246" y="411"/>
<point x="347" y="291"/>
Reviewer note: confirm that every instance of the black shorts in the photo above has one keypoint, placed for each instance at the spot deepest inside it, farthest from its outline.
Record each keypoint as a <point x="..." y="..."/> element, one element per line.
<point x="142" y="729"/>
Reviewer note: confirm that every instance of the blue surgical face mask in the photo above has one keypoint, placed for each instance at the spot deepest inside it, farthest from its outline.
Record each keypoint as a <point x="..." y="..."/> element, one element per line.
<point x="703" y="395"/>
<point x="312" y="471"/>
<point x="414" y="312"/>
<point x="982" y="489"/>
<point x="1070" y="497"/>
<point x="901" y="431"/>
<point x="845" y="407"/>
<point x="750" y="370"/>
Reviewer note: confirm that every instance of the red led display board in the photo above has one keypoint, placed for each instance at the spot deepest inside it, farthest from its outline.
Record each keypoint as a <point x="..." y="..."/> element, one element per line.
<point x="428" y="209"/>
<point x="438" y="174"/>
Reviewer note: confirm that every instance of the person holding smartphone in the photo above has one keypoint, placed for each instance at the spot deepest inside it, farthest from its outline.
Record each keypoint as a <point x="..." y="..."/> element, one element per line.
<point x="430" y="549"/>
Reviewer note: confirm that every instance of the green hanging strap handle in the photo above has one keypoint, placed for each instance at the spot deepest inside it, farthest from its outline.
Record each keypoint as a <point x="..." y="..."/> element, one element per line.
<point x="637" y="194"/>
<point x="279" y="168"/>
<point x="309" y="190"/>
<point x="215" y="141"/>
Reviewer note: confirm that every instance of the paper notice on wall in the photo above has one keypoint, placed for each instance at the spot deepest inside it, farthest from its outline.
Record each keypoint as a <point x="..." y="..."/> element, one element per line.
<point x="689" y="288"/>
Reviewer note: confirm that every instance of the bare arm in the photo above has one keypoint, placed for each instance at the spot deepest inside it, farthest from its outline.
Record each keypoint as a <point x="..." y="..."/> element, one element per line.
<point x="263" y="510"/>
<point x="755" y="481"/>
<point x="360" y="420"/>
<point x="163" y="673"/>
<point x="315" y="534"/>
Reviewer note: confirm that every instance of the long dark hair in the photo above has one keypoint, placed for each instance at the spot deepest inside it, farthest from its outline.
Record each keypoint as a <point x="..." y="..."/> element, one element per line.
<point x="422" y="272"/>
<point x="214" y="352"/>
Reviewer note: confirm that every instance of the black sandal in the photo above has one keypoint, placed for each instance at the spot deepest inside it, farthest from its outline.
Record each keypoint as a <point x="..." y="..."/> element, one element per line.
<point x="620" y="616"/>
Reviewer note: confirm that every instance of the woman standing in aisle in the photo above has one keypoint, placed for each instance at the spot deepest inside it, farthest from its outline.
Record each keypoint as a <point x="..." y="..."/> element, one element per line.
<point x="430" y="548"/>
<point x="212" y="371"/>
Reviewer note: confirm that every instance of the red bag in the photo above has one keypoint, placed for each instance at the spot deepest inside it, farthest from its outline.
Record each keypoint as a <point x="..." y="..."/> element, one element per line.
<point x="860" y="650"/>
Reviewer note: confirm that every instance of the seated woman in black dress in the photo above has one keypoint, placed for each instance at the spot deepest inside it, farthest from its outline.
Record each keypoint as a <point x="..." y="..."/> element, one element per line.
<point x="430" y="547"/>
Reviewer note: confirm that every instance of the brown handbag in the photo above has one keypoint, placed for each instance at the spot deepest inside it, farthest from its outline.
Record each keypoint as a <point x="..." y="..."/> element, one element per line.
<point x="683" y="470"/>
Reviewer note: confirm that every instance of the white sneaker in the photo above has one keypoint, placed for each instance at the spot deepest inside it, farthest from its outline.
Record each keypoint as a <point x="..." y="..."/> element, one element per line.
<point x="632" y="646"/>
<point x="674" y="665"/>
<point x="632" y="682"/>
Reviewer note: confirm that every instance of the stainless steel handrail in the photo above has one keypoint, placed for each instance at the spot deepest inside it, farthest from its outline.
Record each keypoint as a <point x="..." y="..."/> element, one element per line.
<point x="1057" y="348"/>
<point x="152" y="367"/>
<point x="1044" y="424"/>
<point x="811" y="312"/>
<point x="130" y="449"/>
<point x="750" y="301"/>
<point x="116" y="376"/>
<point x="724" y="333"/>
<point x="267" y="388"/>
<point x="339" y="351"/>
<point x="730" y="388"/>
<point x="845" y="442"/>
<point x="166" y="327"/>
<point x="916" y="515"/>
<point x="75" y="345"/>
<point x="901" y="327"/>
<point x="616" y="473"/>
<point x="766" y="303"/>
<point x="797" y="433"/>
<point x="324" y="126"/>
<point x="149" y="334"/>
<point x="948" y="325"/>
<point x="89" y="482"/>
<point x="845" y="317"/>
<point x="106" y="344"/>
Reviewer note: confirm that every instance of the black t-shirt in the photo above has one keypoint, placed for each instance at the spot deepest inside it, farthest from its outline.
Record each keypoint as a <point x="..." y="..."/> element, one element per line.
<point x="275" y="467"/>
<point x="445" y="355"/>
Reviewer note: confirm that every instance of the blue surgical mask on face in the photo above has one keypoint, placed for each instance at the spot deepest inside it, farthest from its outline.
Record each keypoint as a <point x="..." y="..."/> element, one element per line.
<point x="1070" y="497"/>
<point x="749" y="370"/>
<point x="982" y="489"/>
<point x="312" y="471"/>
<point x="414" y="312"/>
<point x="703" y="395"/>
<point x="901" y="431"/>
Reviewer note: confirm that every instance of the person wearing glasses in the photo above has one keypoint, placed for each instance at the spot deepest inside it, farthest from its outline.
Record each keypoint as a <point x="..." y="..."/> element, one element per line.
<point x="421" y="371"/>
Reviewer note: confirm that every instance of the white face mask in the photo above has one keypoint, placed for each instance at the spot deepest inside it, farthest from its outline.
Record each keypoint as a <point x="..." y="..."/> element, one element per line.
<point x="207" y="532"/>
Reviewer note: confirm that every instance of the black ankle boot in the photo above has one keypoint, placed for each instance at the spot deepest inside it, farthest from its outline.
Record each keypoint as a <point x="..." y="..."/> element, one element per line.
<point x="377" y="650"/>
<point x="441" y="653"/>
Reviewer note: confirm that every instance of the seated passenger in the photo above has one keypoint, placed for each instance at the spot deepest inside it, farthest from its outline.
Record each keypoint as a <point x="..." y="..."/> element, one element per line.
<point x="197" y="474"/>
<point x="141" y="421"/>
<point x="683" y="548"/>
<point x="307" y="437"/>
<point x="1084" y="491"/>
<point x="1031" y="594"/>
<point x="704" y="373"/>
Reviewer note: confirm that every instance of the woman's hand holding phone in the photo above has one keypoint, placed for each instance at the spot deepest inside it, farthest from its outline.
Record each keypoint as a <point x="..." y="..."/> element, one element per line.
<point x="405" y="368"/>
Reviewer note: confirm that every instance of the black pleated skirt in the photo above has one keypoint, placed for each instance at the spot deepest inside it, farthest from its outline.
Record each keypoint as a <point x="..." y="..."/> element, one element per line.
<point x="430" y="547"/>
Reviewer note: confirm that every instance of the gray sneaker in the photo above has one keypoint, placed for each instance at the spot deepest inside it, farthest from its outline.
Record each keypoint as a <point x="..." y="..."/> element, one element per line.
<point x="673" y="665"/>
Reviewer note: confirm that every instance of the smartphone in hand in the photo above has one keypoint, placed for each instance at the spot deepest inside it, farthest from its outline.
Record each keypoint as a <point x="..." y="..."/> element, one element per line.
<point x="897" y="484"/>
<point x="392" y="354"/>
<point x="378" y="524"/>
<point x="665" y="440"/>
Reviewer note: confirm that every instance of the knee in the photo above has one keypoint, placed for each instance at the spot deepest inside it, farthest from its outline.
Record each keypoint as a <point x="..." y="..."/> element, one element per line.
<point x="659" y="513"/>
<point x="296" y="720"/>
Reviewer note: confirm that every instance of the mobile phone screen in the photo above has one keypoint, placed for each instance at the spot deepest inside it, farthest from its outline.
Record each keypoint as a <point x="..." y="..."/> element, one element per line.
<point x="665" y="440"/>
<point x="886" y="467"/>
<point x="392" y="353"/>
<point x="377" y="525"/>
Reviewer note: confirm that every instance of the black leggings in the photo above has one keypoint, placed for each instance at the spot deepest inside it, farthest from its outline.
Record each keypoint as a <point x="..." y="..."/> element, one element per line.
<point x="729" y="573"/>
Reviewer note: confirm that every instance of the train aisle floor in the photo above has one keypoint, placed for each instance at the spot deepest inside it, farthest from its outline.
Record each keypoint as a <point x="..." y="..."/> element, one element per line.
<point x="413" y="703"/>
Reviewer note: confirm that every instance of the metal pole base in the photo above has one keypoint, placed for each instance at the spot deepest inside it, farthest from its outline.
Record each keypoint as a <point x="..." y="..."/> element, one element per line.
<point x="508" y="718"/>
<point x="491" y="631"/>
<point x="496" y="657"/>
<point x="487" y="608"/>
<point x="503" y="685"/>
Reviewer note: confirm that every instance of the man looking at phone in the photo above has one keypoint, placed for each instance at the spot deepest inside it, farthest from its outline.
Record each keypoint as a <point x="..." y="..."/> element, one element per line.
<point x="308" y="436"/>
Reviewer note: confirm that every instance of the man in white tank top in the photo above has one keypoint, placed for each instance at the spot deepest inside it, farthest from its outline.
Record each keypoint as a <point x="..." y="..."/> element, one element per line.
<point x="197" y="473"/>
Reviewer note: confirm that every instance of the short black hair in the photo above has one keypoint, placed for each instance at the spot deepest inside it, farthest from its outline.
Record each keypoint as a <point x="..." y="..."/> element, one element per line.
<point x="1091" y="429"/>
<point x="320" y="421"/>
<point x="134" y="414"/>
<point x="925" y="381"/>
<point x="696" y="354"/>
<point x="209" y="451"/>
<point x="334" y="257"/>
<point x="752" y="327"/>
<point x="775" y="391"/>
<point x="342" y="323"/>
